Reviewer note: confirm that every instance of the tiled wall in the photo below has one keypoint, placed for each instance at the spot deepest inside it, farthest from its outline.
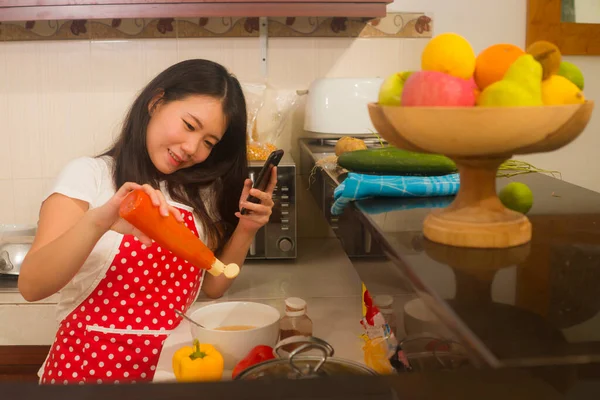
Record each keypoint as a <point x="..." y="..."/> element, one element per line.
<point x="60" y="99"/>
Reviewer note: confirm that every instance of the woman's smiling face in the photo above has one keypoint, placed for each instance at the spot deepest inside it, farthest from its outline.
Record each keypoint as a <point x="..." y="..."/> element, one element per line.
<point x="182" y="133"/>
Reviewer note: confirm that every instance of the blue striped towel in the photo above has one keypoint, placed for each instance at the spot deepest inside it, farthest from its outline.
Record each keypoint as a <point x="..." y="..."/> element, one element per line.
<point x="360" y="186"/>
<point x="383" y="205"/>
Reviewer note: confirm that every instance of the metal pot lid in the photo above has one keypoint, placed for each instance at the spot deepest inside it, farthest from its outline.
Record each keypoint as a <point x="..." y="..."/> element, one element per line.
<point x="298" y="366"/>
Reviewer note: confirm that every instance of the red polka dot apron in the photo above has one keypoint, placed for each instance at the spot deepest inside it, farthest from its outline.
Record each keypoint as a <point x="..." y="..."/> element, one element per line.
<point x="117" y="333"/>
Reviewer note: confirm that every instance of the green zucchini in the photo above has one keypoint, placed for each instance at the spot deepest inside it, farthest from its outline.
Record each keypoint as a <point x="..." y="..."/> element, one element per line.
<point x="394" y="161"/>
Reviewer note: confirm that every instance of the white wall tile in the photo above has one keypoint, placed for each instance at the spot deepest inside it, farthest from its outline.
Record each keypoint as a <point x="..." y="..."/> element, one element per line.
<point x="117" y="66"/>
<point x="5" y="164"/>
<point x="24" y="127"/>
<point x="347" y="57"/>
<point x="158" y="55"/>
<point x="23" y="67"/>
<point x="65" y="134"/>
<point x="118" y="72"/>
<point x="410" y="56"/>
<point x="28" y="198"/>
<point x="65" y="66"/>
<point x="246" y="60"/>
<point x="292" y="62"/>
<point x="7" y="201"/>
<point x="238" y="55"/>
<point x="219" y="50"/>
<point x="20" y="120"/>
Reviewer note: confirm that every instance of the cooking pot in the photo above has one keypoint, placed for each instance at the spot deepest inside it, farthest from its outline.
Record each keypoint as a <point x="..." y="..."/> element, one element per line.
<point x="303" y="366"/>
<point x="12" y="252"/>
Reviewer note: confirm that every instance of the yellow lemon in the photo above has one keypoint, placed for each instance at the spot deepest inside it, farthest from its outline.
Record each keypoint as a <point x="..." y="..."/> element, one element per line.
<point x="558" y="90"/>
<point x="451" y="54"/>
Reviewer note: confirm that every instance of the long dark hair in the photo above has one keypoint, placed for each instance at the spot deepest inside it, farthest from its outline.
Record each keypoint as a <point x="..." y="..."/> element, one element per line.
<point x="213" y="187"/>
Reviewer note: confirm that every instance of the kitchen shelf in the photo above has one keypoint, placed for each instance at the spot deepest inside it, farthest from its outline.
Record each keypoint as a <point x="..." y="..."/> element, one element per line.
<point x="32" y="10"/>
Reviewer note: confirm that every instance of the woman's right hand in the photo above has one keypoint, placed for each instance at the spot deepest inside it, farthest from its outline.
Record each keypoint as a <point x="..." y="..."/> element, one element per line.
<point x="107" y="216"/>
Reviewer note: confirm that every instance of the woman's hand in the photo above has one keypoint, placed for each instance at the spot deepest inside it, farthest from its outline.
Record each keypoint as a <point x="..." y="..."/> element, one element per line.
<point x="107" y="216"/>
<point x="259" y="213"/>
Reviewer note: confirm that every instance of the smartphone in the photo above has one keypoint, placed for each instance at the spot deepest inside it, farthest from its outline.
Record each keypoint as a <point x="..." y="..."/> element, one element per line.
<point x="264" y="176"/>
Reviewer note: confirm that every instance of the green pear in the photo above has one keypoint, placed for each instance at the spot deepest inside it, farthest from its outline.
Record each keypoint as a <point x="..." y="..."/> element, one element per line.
<point x="390" y="92"/>
<point x="520" y="86"/>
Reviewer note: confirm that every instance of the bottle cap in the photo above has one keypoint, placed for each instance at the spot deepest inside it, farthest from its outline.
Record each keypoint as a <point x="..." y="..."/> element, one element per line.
<point x="383" y="300"/>
<point x="295" y="306"/>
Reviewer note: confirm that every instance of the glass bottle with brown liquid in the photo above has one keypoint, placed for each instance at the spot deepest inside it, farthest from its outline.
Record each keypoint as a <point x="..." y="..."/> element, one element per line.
<point x="295" y="322"/>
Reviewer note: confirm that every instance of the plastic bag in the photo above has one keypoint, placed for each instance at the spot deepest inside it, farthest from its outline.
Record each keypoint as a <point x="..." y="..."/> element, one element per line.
<point x="382" y="352"/>
<point x="269" y="120"/>
<point x="255" y="98"/>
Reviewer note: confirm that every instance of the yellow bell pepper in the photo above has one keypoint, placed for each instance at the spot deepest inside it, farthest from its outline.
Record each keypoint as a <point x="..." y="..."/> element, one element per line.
<point x="199" y="363"/>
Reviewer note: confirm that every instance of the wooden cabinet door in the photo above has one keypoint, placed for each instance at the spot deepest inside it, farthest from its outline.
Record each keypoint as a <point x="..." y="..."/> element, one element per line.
<point x="31" y="10"/>
<point x="21" y="363"/>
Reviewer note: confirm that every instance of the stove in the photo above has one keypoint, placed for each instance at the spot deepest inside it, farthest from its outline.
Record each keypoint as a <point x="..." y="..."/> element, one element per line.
<point x="355" y="240"/>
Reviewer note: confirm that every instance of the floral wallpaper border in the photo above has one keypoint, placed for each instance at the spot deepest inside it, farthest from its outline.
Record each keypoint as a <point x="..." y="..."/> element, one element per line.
<point x="394" y="25"/>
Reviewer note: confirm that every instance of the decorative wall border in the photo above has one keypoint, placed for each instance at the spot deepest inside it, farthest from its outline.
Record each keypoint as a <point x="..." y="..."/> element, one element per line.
<point x="394" y="25"/>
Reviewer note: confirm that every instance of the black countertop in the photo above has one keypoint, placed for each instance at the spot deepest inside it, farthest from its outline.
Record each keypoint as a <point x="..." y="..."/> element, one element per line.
<point x="536" y="304"/>
<point x="515" y="384"/>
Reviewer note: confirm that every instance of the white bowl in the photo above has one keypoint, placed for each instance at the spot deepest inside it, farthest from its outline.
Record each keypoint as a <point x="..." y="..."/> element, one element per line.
<point x="235" y="345"/>
<point x="419" y="320"/>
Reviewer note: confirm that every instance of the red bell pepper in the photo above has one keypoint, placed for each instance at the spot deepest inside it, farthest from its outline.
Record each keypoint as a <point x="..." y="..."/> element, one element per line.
<point x="257" y="355"/>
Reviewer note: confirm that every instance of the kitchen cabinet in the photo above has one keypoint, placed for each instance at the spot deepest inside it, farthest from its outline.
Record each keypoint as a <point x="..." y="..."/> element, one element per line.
<point x="27" y="324"/>
<point x="31" y="10"/>
<point x="21" y="363"/>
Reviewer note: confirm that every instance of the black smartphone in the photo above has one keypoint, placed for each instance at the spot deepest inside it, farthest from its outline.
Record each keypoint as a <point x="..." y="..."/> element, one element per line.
<point x="262" y="180"/>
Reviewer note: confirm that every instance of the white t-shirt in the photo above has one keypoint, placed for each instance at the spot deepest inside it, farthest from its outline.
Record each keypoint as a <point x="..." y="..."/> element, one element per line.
<point x="90" y="179"/>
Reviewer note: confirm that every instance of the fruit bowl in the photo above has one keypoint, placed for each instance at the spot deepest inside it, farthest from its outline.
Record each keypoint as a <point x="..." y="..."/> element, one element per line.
<point x="479" y="140"/>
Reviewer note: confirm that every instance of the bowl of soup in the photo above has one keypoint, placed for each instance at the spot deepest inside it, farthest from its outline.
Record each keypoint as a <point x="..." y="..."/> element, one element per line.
<point x="236" y="327"/>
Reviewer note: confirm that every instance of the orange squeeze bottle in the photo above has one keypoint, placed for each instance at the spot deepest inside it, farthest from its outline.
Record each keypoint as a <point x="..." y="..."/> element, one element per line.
<point x="137" y="209"/>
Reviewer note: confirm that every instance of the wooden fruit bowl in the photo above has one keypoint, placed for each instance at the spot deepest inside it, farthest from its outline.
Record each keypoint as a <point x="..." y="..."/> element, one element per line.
<point x="479" y="140"/>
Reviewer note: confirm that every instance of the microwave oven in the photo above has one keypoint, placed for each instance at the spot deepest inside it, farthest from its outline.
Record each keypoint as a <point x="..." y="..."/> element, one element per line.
<point x="277" y="239"/>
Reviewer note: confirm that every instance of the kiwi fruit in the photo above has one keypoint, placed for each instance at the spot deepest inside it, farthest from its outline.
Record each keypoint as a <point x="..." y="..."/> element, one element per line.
<point x="548" y="55"/>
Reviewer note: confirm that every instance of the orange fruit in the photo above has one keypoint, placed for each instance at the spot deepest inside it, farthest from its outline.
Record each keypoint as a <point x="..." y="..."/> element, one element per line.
<point x="492" y="63"/>
<point x="449" y="53"/>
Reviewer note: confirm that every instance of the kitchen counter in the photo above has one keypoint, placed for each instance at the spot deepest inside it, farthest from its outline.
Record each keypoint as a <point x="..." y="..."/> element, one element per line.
<point x="344" y="336"/>
<point x="321" y="270"/>
<point x="322" y="275"/>
<point x="535" y="304"/>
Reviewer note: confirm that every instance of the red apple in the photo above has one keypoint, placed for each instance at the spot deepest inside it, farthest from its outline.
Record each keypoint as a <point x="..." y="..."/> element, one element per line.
<point x="437" y="89"/>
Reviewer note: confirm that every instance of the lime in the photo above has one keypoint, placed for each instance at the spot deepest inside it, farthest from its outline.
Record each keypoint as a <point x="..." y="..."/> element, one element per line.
<point x="572" y="73"/>
<point x="517" y="196"/>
